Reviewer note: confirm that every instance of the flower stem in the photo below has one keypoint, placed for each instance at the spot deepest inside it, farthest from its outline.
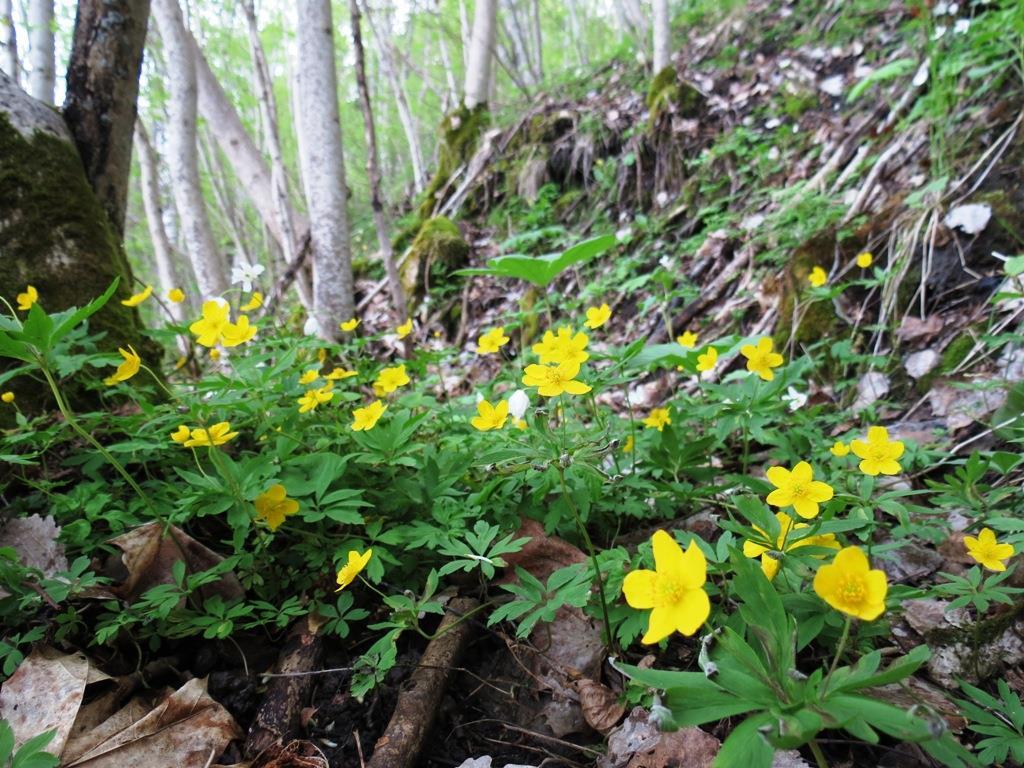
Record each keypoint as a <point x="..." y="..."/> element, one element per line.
<point x="609" y="637"/>
<point x="819" y="756"/>
<point x="839" y="651"/>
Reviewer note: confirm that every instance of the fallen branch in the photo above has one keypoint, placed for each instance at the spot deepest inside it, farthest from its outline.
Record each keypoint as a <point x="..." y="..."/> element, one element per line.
<point x="286" y="280"/>
<point x="278" y="719"/>
<point x="413" y="718"/>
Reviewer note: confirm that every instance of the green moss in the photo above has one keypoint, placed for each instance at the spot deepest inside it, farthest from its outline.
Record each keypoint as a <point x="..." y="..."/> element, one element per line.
<point x="460" y="131"/>
<point x="796" y="104"/>
<point x="437" y="250"/>
<point x="55" y="235"/>
<point x="817" y="319"/>
<point x="956" y="352"/>
<point x="667" y="90"/>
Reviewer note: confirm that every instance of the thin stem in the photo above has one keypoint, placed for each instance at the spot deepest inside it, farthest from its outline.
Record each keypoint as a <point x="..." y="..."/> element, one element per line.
<point x="819" y="756"/>
<point x="839" y="651"/>
<point x="608" y="635"/>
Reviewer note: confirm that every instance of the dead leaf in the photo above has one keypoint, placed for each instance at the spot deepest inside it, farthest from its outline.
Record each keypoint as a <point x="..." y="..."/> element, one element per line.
<point x="873" y="386"/>
<point x="921" y="363"/>
<point x="962" y="406"/>
<point x="543" y="555"/>
<point x="295" y="754"/>
<point x="971" y="218"/>
<point x="601" y="707"/>
<point x="185" y="730"/>
<point x="149" y="556"/>
<point x="45" y="694"/>
<point x="913" y="328"/>
<point x="34" y="538"/>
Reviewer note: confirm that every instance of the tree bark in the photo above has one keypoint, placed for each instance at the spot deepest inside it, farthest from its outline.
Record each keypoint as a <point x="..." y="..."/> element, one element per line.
<point x="405" y="115"/>
<point x="323" y="167"/>
<point x="480" y="55"/>
<point x="452" y="95"/>
<point x="538" y="41"/>
<point x="163" y="253"/>
<point x="42" y="66"/>
<point x="102" y="95"/>
<point x="577" y="36"/>
<point x="182" y="150"/>
<point x="662" y="36"/>
<point x="380" y="220"/>
<point x="8" y="41"/>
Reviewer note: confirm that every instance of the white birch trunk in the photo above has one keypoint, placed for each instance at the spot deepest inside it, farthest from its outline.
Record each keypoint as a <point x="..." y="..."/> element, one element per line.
<point x="575" y="31"/>
<point x="323" y="163"/>
<point x="452" y="96"/>
<point x="182" y="155"/>
<point x="538" y="41"/>
<point x="405" y="115"/>
<point x="8" y="41"/>
<point x="480" y="56"/>
<point x="42" y="66"/>
<point x="163" y="253"/>
<point x="662" y="36"/>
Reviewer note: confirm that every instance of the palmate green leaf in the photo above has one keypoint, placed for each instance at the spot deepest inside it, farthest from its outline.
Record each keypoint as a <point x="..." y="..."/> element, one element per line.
<point x="10" y="347"/>
<point x="541" y="270"/>
<point x="746" y="746"/>
<point x="692" y="697"/>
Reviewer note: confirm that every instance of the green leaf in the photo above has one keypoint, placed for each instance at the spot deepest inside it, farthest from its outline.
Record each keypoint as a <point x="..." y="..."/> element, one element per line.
<point x="66" y="324"/>
<point x="541" y="270"/>
<point x="746" y="746"/>
<point x="888" y="72"/>
<point x="37" y="327"/>
<point x="1014" y="266"/>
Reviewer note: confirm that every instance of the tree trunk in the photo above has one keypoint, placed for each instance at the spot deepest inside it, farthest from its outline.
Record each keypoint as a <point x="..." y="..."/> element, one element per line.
<point x="405" y="115"/>
<point x="577" y="36"/>
<point x="452" y="96"/>
<point x="102" y="94"/>
<point x="323" y="163"/>
<point x="289" y="220"/>
<point x="8" y="41"/>
<point x="42" y="67"/>
<point x="662" y="36"/>
<point x="53" y="231"/>
<point x="480" y="55"/>
<point x="182" y="152"/>
<point x="380" y="221"/>
<point x="538" y="41"/>
<point x="162" y="250"/>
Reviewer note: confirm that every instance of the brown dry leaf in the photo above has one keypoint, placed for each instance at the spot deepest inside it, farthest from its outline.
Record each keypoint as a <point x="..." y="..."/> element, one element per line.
<point x="45" y="694"/>
<point x="543" y="555"/>
<point x="914" y="328"/>
<point x="928" y="698"/>
<point x="187" y="729"/>
<point x="34" y="538"/>
<point x="149" y="556"/>
<point x="601" y="707"/>
<point x="961" y="406"/>
<point x="295" y="754"/>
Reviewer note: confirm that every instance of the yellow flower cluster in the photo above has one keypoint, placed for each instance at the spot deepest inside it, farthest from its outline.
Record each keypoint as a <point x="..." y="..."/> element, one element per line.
<point x="561" y="355"/>
<point x="215" y="326"/>
<point x="198" y="437"/>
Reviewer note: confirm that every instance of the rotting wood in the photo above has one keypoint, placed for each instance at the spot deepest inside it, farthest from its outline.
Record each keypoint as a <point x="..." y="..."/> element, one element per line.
<point x="278" y="718"/>
<point x="413" y="718"/>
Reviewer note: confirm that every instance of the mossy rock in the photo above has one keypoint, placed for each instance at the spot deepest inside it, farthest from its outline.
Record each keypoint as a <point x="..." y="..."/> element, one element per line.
<point x="460" y="131"/>
<point x="667" y="92"/>
<point x="817" y="319"/>
<point x="437" y="251"/>
<point x="54" y="234"/>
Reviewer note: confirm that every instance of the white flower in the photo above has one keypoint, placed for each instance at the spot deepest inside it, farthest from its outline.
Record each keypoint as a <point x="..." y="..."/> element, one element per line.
<point x="796" y="400"/>
<point x="518" y="403"/>
<point x="661" y="199"/>
<point x="921" y="76"/>
<point x="624" y="235"/>
<point x="312" y="327"/>
<point x="961" y="26"/>
<point x="940" y="30"/>
<point x="246" y="274"/>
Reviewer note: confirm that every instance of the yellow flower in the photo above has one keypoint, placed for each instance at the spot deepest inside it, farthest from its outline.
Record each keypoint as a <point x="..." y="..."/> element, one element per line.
<point x="365" y="418"/>
<point x="404" y="329"/>
<point x="598" y="316"/>
<point x="879" y="454"/>
<point x="674" y="590"/>
<point x="799" y="489"/>
<point x="688" y="340"/>
<point x="218" y="434"/>
<point x="176" y="295"/>
<point x="350" y="325"/>
<point x="658" y="418"/>
<point x="987" y="550"/>
<point x="309" y="376"/>
<point x="137" y="298"/>
<point x="321" y="355"/>
<point x="273" y="506"/>
<point x="215" y="354"/>
<point x="390" y="379"/>
<point x="348" y="572"/>
<point x="255" y="302"/>
<point x="708" y="360"/>
<point x="627" y="447"/>
<point x="818" y="277"/>
<point x="238" y="333"/>
<point x="181" y="434"/>
<point x="28" y="298"/>
<point x="553" y="380"/>
<point x="520" y="423"/>
<point x="784" y="543"/>
<point x="865" y="259"/>
<point x="839" y="449"/>
<point x="7" y="397"/>
<point x="340" y="373"/>
<point x="490" y="416"/>
<point x="563" y="347"/>
<point x="761" y="359"/>
<point x="315" y="397"/>
<point x="210" y="326"/>
<point x="180" y="362"/>
<point x="849" y="585"/>
<point x="126" y="369"/>
<point x="492" y="341"/>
